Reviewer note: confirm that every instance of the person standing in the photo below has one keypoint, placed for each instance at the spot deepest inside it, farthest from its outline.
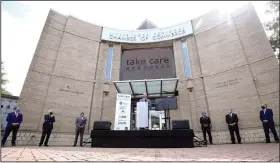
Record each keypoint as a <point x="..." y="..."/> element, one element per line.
<point x="81" y="122"/>
<point x="14" y="120"/>
<point x="266" y="116"/>
<point x="49" y="119"/>
<point x="232" y="121"/>
<point x="145" y="99"/>
<point x="206" y="127"/>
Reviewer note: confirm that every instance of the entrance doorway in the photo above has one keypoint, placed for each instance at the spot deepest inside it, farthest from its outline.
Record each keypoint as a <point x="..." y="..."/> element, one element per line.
<point x="155" y="88"/>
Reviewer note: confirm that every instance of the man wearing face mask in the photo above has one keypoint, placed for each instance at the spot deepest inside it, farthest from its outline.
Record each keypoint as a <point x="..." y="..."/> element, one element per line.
<point x="81" y="122"/>
<point x="232" y="121"/>
<point x="206" y="127"/>
<point x="14" y="120"/>
<point x="49" y="119"/>
<point x="266" y="116"/>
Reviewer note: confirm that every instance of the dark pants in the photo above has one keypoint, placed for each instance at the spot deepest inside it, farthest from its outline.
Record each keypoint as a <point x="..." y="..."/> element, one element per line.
<point x="45" y="132"/>
<point x="79" y="131"/>
<point x="235" y="129"/>
<point x="266" y="127"/>
<point x="204" y="130"/>
<point x="9" y="129"/>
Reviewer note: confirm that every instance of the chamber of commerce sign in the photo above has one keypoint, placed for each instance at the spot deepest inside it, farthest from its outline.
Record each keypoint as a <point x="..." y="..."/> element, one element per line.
<point x="147" y="36"/>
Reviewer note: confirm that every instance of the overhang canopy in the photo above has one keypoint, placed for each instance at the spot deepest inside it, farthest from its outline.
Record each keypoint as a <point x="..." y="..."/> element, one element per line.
<point x="153" y="87"/>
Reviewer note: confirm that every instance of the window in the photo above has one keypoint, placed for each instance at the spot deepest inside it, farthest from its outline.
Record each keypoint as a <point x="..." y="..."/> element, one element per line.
<point x="186" y="58"/>
<point x="109" y="63"/>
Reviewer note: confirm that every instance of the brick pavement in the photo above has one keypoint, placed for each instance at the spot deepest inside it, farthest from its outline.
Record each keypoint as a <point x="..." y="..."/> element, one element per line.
<point x="227" y="152"/>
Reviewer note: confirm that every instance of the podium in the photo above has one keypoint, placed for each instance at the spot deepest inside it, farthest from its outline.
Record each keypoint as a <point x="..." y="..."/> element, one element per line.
<point x="142" y="115"/>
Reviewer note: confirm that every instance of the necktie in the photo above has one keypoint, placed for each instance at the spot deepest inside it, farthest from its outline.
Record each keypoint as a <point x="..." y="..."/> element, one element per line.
<point x="16" y="115"/>
<point x="145" y="100"/>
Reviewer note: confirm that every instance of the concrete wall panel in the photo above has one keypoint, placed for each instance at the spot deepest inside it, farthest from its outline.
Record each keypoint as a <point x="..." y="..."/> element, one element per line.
<point x="83" y="29"/>
<point x="209" y="20"/>
<point x="77" y="58"/>
<point x="252" y="36"/>
<point x="67" y="98"/>
<point x="220" y="45"/>
<point x="36" y="84"/>
<point x="226" y="91"/>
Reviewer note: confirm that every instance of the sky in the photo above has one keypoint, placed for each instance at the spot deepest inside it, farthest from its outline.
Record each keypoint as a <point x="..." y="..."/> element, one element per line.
<point x="22" y="23"/>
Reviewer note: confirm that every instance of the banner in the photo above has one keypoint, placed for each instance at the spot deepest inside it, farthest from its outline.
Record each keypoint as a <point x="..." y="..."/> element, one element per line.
<point x="123" y="112"/>
<point x="147" y="36"/>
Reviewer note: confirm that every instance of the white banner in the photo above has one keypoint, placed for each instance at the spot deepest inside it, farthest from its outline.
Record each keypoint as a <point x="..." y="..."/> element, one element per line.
<point x="123" y="112"/>
<point x="142" y="115"/>
<point x="147" y="36"/>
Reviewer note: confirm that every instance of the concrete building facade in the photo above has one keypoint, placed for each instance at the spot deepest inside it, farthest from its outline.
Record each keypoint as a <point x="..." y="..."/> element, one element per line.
<point x="231" y="61"/>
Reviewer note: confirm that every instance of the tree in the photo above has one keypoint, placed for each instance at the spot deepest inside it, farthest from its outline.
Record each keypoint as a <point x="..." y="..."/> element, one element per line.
<point x="3" y="81"/>
<point x="273" y="25"/>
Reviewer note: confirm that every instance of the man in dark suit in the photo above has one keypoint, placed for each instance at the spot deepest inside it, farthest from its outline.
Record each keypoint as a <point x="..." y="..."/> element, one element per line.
<point x="206" y="127"/>
<point x="266" y="116"/>
<point x="81" y="122"/>
<point x="232" y="121"/>
<point x="49" y="119"/>
<point x="14" y="120"/>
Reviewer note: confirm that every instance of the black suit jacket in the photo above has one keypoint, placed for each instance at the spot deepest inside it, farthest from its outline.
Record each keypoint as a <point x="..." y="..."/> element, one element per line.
<point x="267" y="116"/>
<point x="205" y="121"/>
<point x="233" y="119"/>
<point x="48" y="123"/>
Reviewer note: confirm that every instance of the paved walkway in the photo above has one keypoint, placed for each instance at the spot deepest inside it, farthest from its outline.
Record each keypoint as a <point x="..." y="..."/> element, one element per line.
<point x="236" y="152"/>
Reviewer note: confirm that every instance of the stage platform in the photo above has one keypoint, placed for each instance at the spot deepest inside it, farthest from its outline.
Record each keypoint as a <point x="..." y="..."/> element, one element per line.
<point x="142" y="138"/>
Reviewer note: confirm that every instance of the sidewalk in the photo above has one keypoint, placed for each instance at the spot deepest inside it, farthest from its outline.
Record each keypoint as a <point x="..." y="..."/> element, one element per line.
<point x="228" y="152"/>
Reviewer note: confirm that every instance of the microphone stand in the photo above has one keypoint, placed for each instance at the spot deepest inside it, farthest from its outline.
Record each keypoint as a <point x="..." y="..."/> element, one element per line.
<point x="167" y="117"/>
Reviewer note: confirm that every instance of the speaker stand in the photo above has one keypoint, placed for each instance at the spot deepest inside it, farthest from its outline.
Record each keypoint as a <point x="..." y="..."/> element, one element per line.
<point x="87" y="141"/>
<point x="198" y="141"/>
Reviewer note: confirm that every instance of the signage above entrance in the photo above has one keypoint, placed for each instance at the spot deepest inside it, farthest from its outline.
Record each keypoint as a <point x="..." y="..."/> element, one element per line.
<point x="147" y="36"/>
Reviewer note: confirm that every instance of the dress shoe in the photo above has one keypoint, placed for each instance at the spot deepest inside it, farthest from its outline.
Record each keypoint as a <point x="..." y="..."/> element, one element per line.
<point x="74" y="145"/>
<point x="13" y="145"/>
<point x="46" y="145"/>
